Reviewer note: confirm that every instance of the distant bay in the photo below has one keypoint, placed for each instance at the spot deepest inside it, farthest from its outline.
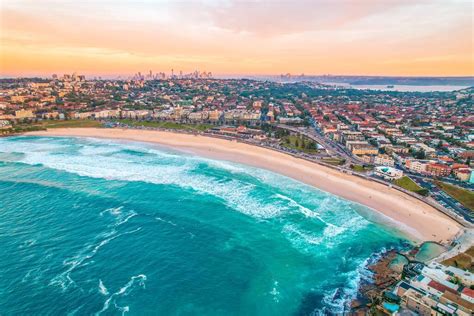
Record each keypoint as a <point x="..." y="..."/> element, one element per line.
<point x="401" y="88"/>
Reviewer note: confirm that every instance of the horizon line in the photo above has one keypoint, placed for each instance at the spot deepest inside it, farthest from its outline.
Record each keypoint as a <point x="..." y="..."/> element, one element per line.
<point x="223" y="76"/>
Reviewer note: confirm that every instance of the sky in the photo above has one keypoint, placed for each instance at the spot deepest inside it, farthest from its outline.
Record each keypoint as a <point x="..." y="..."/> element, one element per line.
<point x="314" y="37"/>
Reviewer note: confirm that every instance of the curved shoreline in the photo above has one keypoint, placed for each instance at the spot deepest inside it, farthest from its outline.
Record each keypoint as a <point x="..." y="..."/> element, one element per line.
<point x="416" y="218"/>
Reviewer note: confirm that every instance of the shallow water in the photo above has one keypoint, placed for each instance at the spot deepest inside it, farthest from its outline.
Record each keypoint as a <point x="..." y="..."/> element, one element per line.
<point x="429" y="251"/>
<point x="96" y="226"/>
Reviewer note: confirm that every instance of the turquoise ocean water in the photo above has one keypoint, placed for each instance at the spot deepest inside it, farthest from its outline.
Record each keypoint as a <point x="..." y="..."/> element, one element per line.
<point x="91" y="226"/>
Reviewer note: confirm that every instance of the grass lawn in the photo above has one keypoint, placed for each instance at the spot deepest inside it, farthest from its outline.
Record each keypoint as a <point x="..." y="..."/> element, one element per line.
<point x="299" y="143"/>
<point x="168" y="125"/>
<point x="22" y="129"/>
<point x="360" y="168"/>
<point x="408" y="184"/>
<point x="43" y="125"/>
<point x="69" y="123"/>
<point x="463" y="261"/>
<point x="334" y="161"/>
<point x="465" y="197"/>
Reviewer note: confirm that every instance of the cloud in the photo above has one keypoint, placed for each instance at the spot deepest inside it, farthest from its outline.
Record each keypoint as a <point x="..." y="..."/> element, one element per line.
<point x="318" y="36"/>
<point x="274" y="18"/>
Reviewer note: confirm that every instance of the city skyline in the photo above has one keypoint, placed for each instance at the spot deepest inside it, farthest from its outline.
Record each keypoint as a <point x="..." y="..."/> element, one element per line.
<point x="105" y="38"/>
<point x="241" y="157"/>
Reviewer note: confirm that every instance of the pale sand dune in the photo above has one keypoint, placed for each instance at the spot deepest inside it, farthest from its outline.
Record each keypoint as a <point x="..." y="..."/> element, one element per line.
<point x="414" y="217"/>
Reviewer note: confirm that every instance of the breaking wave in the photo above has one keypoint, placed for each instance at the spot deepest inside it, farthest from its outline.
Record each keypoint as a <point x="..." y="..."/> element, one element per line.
<point x="249" y="221"/>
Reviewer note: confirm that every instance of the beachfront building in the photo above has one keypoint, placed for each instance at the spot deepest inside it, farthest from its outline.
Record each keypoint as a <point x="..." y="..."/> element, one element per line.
<point x="384" y="160"/>
<point x="361" y="148"/>
<point x="24" y="114"/>
<point x="438" y="170"/>
<point x="104" y="114"/>
<point x="418" y="166"/>
<point x="215" y="116"/>
<point x="135" y="114"/>
<point x="82" y="115"/>
<point x="199" y="116"/>
<point x="388" y="173"/>
<point x="291" y="120"/>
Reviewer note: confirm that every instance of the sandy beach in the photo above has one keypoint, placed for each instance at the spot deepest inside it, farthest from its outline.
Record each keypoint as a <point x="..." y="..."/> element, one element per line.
<point x="417" y="219"/>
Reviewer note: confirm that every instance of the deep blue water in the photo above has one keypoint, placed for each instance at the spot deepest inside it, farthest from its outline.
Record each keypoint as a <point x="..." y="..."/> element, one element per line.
<point x="91" y="226"/>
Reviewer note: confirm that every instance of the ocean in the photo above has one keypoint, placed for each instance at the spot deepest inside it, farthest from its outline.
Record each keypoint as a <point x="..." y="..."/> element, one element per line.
<point x="91" y="226"/>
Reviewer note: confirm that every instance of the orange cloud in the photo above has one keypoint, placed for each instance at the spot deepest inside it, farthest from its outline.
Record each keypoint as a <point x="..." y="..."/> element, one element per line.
<point x="235" y="37"/>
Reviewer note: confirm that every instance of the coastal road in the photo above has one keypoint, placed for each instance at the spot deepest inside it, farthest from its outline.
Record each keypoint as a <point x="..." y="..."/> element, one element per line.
<point x="444" y="199"/>
<point x="331" y="148"/>
<point x="439" y="195"/>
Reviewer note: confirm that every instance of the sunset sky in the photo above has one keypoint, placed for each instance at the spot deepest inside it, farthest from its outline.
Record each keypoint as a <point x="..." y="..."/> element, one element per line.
<point x="120" y="37"/>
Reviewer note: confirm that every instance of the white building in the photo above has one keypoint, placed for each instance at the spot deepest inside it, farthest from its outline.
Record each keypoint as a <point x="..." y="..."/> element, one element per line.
<point x="416" y="165"/>
<point x="384" y="160"/>
<point x="82" y="115"/>
<point x="388" y="173"/>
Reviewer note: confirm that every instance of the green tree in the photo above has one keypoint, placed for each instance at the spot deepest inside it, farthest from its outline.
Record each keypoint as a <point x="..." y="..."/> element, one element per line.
<point x="420" y="155"/>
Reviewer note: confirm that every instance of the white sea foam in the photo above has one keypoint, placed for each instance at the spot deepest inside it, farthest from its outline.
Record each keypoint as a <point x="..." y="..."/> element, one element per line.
<point x="112" y="211"/>
<point x="165" y="221"/>
<point x="90" y="162"/>
<point x="74" y="311"/>
<point x="29" y="276"/>
<point x="225" y="165"/>
<point x="302" y="239"/>
<point x="191" y="235"/>
<point x="331" y="231"/>
<point x="173" y="169"/>
<point x="102" y="289"/>
<point x="275" y="293"/>
<point x="339" y="219"/>
<point x="328" y="237"/>
<point x="122" y="309"/>
<point x="121" y="217"/>
<point x="235" y="193"/>
<point x="123" y="291"/>
<point x="28" y="146"/>
<point x="64" y="279"/>
<point x="293" y="204"/>
<point x="340" y="304"/>
<point x="98" y="150"/>
<point x="28" y="243"/>
<point x="126" y="218"/>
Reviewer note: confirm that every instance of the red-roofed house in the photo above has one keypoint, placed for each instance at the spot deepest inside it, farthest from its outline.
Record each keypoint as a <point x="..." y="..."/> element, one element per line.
<point x="468" y="294"/>
<point x="458" y="166"/>
<point x="438" y="170"/>
<point x="439" y="288"/>
<point x="446" y="159"/>
<point x="463" y="174"/>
